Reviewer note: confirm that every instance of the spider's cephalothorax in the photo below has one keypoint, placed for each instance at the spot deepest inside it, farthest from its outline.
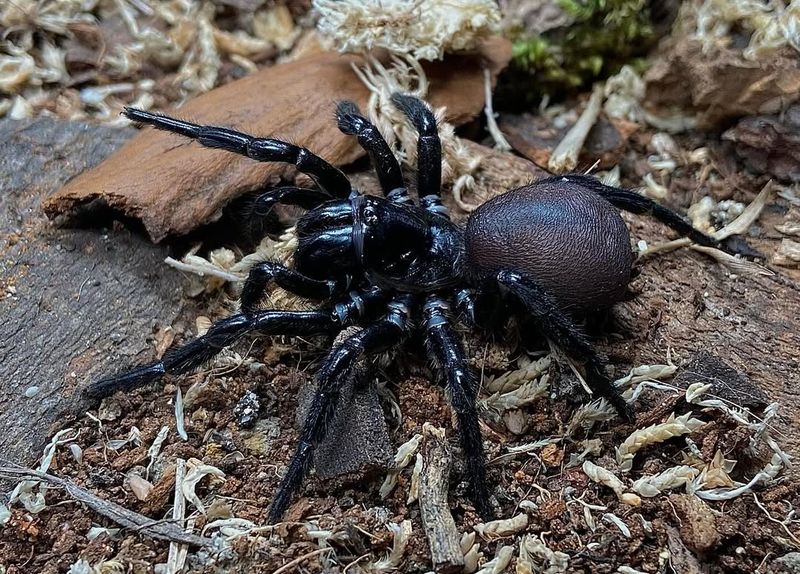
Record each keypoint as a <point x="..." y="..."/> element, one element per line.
<point x="550" y="250"/>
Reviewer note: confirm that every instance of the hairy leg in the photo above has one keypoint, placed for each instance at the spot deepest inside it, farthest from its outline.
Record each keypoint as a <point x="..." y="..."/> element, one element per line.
<point x="374" y="338"/>
<point x="220" y="335"/>
<point x="262" y="274"/>
<point x="324" y="174"/>
<point x="351" y="122"/>
<point x="227" y="331"/>
<point x="462" y="390"/>
<point x="560" y="327"/>
<point x="429" y="151"/>
<point x="639" y="204"/>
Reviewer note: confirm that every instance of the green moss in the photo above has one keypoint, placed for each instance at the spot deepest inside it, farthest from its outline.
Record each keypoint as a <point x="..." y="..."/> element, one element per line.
<point x="605" y="35"/>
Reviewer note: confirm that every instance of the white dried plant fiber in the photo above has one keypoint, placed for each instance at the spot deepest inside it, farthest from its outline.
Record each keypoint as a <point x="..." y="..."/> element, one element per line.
<point x="535" y="556"/>
<point x="500" y="562"/>
<point x="527" y="370"/>
<point x="565" y="157"/>
<point x="606" y="477"/>
<point x="502" y="528"/>
<point x="197" y="470"/>
<point x="402" y="458"/>
<point x="657" y="433"/>
<point x="424" y="30"/>
<point x="650" y="486"/>
<point x="401" y="533"/>
<point x="497" y="404"/>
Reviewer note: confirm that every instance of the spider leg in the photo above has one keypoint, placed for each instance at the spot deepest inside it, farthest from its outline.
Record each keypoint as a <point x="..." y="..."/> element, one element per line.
<point x="639" y="204"/>
<point x="351" y="122"/>
<point x="462" y="389"/>
<point x="374" y="338"/>
<point x="227" y="331"/>
<point x="324" y="174"/>
<point x="261" y="274"/>
<point x="220" y="335"/>
<point x="429" y="151"/>
<point x="556" y="324"/>
<point x="306" y="198"/>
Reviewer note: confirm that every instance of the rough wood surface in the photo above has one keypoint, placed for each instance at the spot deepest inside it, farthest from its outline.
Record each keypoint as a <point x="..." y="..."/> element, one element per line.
<point x="174" y="185"/>
<point x="440" y="528"/>
<point x="73" y="302"/>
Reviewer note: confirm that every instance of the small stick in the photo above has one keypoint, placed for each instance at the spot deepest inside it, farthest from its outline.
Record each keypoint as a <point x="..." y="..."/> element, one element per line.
<point x="174" y="563"/>
<point x="440" y="528"/>
<point x="565" y="157"/>
<point x="119" y="514"/>
<point x="289" y="565"/>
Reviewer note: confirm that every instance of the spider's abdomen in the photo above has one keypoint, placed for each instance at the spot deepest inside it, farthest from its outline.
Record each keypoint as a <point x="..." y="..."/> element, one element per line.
<point x="565" y="237"/>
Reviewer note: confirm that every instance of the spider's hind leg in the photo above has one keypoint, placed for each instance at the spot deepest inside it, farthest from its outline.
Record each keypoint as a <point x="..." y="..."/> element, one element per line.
<point x="641" y="205"/>
<point x="556" y="324"/>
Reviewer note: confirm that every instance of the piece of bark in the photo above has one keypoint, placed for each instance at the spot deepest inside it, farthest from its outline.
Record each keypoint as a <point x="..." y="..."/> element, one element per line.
<point x="75" y="304"/>
<point x="357" y="439"/>
<point x="681" y="558"/>
<point x="721" y="85"/>
<point x="437" y="521"/>
<point x="726" y="382"/>
<point x="174" y="185"/>
<point x="698" y="528"/>
<point x="770" y="144"/>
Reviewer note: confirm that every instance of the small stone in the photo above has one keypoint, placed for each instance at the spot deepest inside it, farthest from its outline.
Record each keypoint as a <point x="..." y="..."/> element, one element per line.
<point x="698" y="525"/>
<point x="552" y="456"/>
<point x="31" y="392"/>
<point x="247" y="409"/>
<point x="786" y="564"/>
<point x="109" y="410"/>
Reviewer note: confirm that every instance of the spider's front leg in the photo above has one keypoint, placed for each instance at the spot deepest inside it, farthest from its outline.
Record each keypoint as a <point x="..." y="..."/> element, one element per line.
<point x="227" y="331"/>
<point x="562" y="329"/>
<point x="462" y="390"/>
<point x="324" y="174"/>
<point x="262" y="274"/>
<point x="374" y="338"/>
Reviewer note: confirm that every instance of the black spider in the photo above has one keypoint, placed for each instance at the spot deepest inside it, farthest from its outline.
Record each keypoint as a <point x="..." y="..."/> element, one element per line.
<point x="550" y="250"/>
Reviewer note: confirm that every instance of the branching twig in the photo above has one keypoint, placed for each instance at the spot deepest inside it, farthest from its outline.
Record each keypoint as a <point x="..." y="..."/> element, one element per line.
<point x="122" y="516"/>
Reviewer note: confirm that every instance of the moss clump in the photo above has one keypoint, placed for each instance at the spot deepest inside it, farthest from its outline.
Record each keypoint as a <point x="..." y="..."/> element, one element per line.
<point x="603" y="36"/>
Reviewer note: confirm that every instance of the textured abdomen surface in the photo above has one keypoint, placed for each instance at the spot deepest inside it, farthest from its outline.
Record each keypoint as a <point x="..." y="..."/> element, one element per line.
<point x="562" y="235"/>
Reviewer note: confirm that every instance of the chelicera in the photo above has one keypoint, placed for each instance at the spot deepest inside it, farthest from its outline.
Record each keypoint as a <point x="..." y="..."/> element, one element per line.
<point x="547" y="253"/>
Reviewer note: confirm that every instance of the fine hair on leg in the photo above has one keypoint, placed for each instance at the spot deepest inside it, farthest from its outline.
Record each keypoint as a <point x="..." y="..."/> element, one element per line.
<point x="324" y="174"/>
<point x="557" y="325"/>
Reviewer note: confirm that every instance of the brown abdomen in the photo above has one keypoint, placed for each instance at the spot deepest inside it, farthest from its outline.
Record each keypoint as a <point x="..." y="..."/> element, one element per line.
<point x="560" y="234"/>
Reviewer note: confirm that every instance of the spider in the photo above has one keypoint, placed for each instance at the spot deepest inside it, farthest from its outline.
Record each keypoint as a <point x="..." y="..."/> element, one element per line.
<point x="547" y="252"/>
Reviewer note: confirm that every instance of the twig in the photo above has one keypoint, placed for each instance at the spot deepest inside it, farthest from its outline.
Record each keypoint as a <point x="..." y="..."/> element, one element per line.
<point x="500" y="141"/>
<point x="174" y="563"/>
<point x="120" y="515"/>
<point x="289" y="565"/>
<point x="565" y="157"/>
<point x="440" y="528"/>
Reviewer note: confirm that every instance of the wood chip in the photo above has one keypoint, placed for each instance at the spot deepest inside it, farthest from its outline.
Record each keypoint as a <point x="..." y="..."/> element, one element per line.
<point x="437" y="521"/>
<point x="174" y="185"/>
<point x="122" y="516"/>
